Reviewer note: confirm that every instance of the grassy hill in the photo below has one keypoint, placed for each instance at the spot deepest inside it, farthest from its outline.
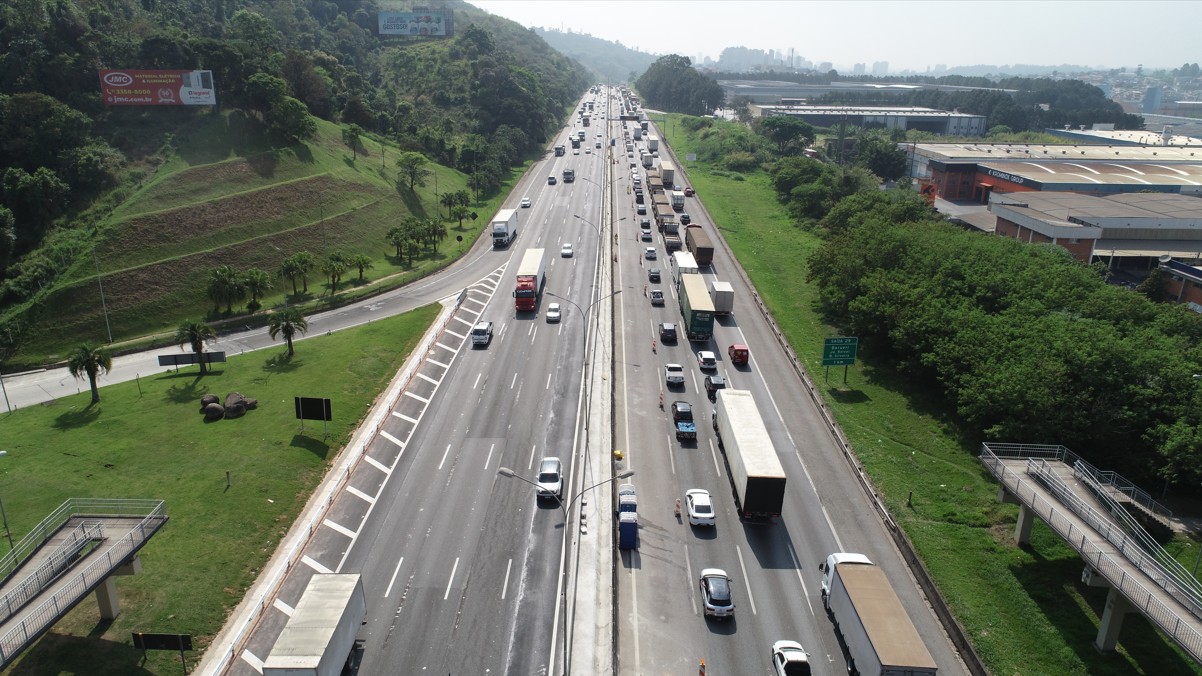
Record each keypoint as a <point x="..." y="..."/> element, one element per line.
<point x="209" y="204"/>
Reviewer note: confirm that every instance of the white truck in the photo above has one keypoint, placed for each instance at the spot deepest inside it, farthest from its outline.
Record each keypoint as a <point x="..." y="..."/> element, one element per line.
<point x="648" y="160"/>
<point x="638" y="133"/>
<point x="320" y="635"/>
<point x="504" y="227"/>
<point x="755" y="472"/>
<point x="652" y="142"/>
<point x="723" y="295"/>
<point x="682" y="263"/>
<point x="677" y="200"/>
<point x="880" y="638"/>
<point x="667" y="174"/>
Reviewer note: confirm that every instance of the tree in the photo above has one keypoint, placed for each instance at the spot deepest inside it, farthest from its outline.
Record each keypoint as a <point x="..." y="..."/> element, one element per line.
<point x="460" y="213"/>
<point x="89" y="362"/>
<point x="335" y="267"/>
<point x="362" y="262"/>
<point x="413" y="170"/>
<point x="290" y="270"/>
<point x="879" y="154"/>
<point x="287" y="323"/>
<point x="225" y="286"/>
<point x="264" y="92"/>
<point x="1153" y="285"/>
<point x="257" y="282"/>
<point x="290" y="119"/>
<point x="350" y="136"/>
<point x="303" y="262"/>
<point x="790" y="134"/>
<point x="195" y="335"/>
<point x="435" y="231"/>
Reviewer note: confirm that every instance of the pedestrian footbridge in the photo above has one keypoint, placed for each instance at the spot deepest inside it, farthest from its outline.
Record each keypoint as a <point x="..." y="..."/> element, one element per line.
<point x="76" y="550"/>
<point x="1102" y="516"/>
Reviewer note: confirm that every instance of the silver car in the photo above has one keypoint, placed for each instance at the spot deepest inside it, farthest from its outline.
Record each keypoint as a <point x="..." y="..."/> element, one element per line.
<point x="550" y="478"/>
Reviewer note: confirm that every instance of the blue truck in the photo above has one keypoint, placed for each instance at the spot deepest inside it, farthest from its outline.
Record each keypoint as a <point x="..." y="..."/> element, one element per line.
<point x="682" y="419"/>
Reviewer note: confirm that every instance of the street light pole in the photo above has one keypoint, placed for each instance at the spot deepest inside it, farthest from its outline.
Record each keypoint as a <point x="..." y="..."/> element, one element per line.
<point x="563" y="601"/>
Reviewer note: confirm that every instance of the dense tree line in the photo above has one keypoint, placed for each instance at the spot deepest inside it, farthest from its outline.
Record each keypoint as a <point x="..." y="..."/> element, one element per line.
<point x="672" y="84"/>
<point x="479" y="101"/>
<point x="1025" y="343"/>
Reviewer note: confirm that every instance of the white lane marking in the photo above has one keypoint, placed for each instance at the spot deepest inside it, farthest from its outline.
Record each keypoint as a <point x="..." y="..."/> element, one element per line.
<point x="671" y="454"/>
<point x="489" y="458"/>
<point x="312" y="563"/>
<point x="452" y="579"/>
<point x="514" y="381"/>
<point x="414" y="396"/>
<point x="505" y="584"/>
<point x="478" y="376"/>
<point x="452" y="333"/>
<point x="437" y="363"/>
<point x="338" y="528"/>
<point x="688" y="571"/>
<point x="377" y="464"/>
<point x="392" y="580"/>
<point x="530" y="465"/>
<point x="534" y="334"/>
<point x="717" y="466"/>
<point x="805" y="592"/>
<point x="360" y="494"/>
<point x="548" y="382"/>
<point x="283" y="607"/>
<point x="444" y="456"/>
<point x="461" y="319"/>
<point x="746" y="580"/>
<point x="448" y="348"/>
<point x="387" y="435"/>
<point x="428" y="379"/>
<point x="404" y="417"/>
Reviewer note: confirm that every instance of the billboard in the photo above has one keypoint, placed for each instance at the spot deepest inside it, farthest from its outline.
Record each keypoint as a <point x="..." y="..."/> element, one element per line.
<point x="422" y="23"/>
<point x="157" y="88"/>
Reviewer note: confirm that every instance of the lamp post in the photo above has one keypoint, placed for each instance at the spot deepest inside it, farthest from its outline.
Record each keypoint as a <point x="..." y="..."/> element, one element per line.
<point x="506" y="472"/>
<point x="584" y="318"/>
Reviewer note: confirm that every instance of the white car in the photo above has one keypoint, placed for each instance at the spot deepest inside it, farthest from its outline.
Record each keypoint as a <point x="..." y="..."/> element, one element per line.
<point x="715" y="593"/>
<point x="789" y="659"/>
<point x="566" y="251"/>
<point x="674" y="375"/>
<point x="550" y="478"/>
<point x="700" y="507"/>
<point x="553" y="313"/>
<point x="649" y="253"/>
<point x="525" y="203"/>
<point x="588" y="151"/>
<point x="707" y="361"/>
<point x="575" y="151"/>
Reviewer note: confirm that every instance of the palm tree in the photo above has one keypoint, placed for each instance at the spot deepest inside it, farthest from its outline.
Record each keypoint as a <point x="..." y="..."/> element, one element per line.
<point x="90" y="361"/>
<point x="334" y="268"/>
<point x="305" y="263"/>
<point x="290" y="270"/>
<point x="257" y="283"/>
<point x="195" y="335"/>
<point x="437" y="231"/>
<point x="225" y="286"/>
<point x="459" y="213"/>
<point x="287" y="322"/>
<point x="362" y="262"/>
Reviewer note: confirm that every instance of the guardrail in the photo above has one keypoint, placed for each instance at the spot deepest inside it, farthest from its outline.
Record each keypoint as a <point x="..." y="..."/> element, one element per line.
<point x="54" y="566"/>
<point x="1164" y="616"/>
<point x="154" y="513"/>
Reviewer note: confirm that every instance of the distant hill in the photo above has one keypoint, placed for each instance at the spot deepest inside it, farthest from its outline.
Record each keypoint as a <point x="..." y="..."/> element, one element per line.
<point x="611" y="61"/>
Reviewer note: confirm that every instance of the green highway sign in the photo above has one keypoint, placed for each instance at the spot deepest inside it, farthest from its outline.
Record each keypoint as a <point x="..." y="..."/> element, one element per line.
<point x="840" y="351"/>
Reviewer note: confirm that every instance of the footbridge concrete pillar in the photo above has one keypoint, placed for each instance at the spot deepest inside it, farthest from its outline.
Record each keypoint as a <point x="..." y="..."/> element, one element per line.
<point x="1117" y="607"/>
<point x="1022" y="529"/>
<point x="106" y="593"/>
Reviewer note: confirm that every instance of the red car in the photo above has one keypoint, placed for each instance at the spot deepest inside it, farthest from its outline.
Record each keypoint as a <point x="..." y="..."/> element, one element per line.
<point x="739" y="354"/>
<point x="688" y="191"/>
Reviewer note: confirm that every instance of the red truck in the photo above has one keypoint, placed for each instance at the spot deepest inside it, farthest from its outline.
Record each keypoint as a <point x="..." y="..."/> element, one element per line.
<point x="530" y="279"/>
<point x="698" y="243"/>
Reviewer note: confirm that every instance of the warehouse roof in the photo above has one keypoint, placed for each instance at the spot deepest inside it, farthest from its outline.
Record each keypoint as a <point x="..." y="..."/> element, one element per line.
<point x="1021" y="152"/>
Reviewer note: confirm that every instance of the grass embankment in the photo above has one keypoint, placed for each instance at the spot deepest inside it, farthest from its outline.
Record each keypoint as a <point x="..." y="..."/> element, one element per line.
<point x="146" y="439"/>
<point x="1024" y="608"/>
<point x="216" y="201"/>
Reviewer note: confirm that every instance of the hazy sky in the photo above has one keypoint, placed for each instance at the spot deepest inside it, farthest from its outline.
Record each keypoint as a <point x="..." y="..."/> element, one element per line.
<point x="909" y="35"/>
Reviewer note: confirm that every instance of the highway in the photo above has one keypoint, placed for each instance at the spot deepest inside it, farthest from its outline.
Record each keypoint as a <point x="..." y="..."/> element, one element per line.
<point x="463" y="567"/>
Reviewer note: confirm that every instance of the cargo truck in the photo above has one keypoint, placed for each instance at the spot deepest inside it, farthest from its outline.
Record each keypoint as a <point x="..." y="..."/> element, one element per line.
<point x="667" y="174"/>
<point x="648" y="161"/>
<point x="560" y="150"/>
<point x="575" y="142"/>
<point x="530" y="278"/>
<point x="504" y="227"/>
<point x="672" y="243"/>
<point x="584" y="119"/>
<point x="683" y="263"/>
<point x="319" y="638"/>
<point x="723" y="296"/>
<point x="652" y="142"/>
<point x="677" y="200"/>
<point x="682" y="420"/>
<point x="628" y="530"/>
<point x="696" y="307"/>
<point x="643" y="125"/>
<point x="698" y="243"/>
<point x="755" y="472"/>
<point x="579" y="134"/>
<point x="880" y="638"/>
<point x="638" y="133"/>
<point x="569" y="175"/>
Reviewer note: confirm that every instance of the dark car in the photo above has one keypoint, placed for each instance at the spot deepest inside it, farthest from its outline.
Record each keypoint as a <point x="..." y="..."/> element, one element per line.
<point x="638" y="199"/>
<point x="667" y="332"/>
<point x="653" y="275"/>
<point x="642" y="210"/>
<point x="645" y="223"/>
<point x="713" y="384"/>
<point x="685" y="218"/>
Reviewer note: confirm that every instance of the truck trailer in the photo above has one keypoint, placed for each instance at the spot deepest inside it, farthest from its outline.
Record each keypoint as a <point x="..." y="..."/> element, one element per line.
<point x="667" y="174"/>
<point x="695" y="307"/>
<point x="699" y="244"/>
<point x="530" y="279"/>
<point x="755" y="472"/>
<point x="319" y="637"/>
<point x="723" y="296"/>
<point x="880" y="637"/>
<point x="677" y="200"/>
<point x="652" y="142"/>
<point x="569" y="175"/>
<point x="504" y="227"/>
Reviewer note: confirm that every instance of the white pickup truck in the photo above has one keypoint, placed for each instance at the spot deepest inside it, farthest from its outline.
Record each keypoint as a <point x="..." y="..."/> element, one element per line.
<point x="482" y="333"/>
<point x="674" y="375"/>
